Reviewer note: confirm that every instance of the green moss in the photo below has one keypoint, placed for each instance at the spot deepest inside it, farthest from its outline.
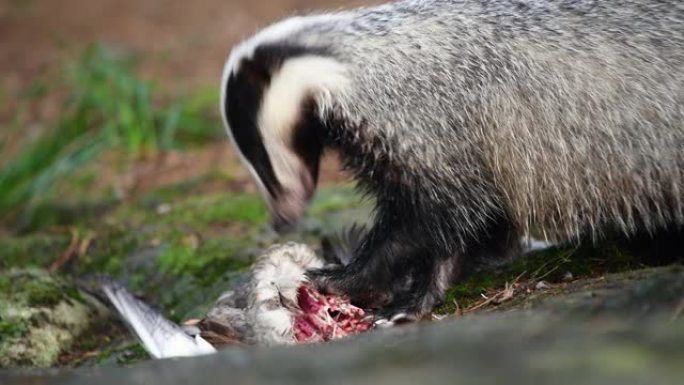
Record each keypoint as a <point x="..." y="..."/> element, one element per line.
<point x="124" y="354"/>
<point x="190" y="212"/>
<point x="110" y="249"/>
<point x="10" y="330"/>
<point x="339" y="198"/>
<point x="38" y="318"/>
<point x="132" y="354"/>
<point x="42" y="293"/>
<point x="551" y="265"/>
<point x="190" y="187"/>
<point x="38" y="249"/>
<point x="585" y="260"/>
<point x="190" y="276"/>
<point x="219" y="209"/>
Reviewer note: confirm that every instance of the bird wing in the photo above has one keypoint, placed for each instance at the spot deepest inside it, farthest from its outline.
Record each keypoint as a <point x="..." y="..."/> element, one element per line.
<point x="159" y="336"/>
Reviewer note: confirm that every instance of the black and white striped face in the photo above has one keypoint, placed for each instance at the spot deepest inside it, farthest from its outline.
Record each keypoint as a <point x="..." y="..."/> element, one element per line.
<point x="270" y="103"/>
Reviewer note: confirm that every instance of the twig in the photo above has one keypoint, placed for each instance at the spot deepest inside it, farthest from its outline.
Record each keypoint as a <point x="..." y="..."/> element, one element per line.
<point x="85" y="244"/>
<point x="560" y="260"/>
<point x="678" y="311"/>
<point x="504" y="295"/>
<point x="481" y="304"/>
<point x="457" y="311"/>
<point x="68" y="253"/>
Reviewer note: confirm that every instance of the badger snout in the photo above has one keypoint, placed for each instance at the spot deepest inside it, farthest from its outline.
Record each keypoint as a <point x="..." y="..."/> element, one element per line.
<point x="286" y="213"/>
<point x="289" y="206"/>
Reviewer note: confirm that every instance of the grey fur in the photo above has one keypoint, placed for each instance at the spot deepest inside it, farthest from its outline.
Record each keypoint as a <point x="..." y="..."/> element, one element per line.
<point x="573" y="120"/>
<point x="562" y="115"/>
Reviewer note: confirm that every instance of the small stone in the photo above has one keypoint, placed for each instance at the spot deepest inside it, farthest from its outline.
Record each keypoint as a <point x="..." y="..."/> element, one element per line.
<point x="567" y="277"/>
<point x="42" y="317"/>
<point x="192" y="240"/>
<point x="164" y="208"/>
<point x="541" y="285"/>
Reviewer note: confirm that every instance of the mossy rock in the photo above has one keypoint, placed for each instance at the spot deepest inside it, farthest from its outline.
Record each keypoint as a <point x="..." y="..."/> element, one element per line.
<point x="40" y="316"/>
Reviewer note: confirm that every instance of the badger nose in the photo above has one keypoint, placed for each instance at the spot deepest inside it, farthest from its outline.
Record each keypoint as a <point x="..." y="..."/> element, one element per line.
<point x="282" y="226"/>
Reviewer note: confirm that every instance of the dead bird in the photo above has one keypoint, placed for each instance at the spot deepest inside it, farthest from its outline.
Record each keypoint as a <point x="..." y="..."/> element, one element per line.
<point x="470" y="122"/>
<point x="274" y="305"/>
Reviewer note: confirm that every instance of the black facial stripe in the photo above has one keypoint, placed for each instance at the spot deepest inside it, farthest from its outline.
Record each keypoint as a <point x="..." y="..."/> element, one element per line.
<point x="243" y="99"/>
<point x="244" y="94"/>
<point x="307" y="139"/>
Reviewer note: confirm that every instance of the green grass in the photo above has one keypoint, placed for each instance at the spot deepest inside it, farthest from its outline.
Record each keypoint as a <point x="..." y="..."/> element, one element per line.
<point x="179" y="259"/>
<point x="106" y="107"/>
<point x="35" y="249"/>
<point x="220" y="209"/>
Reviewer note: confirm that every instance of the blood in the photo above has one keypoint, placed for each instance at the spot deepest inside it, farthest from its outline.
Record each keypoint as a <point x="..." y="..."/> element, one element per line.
<point x="327" y="317"/>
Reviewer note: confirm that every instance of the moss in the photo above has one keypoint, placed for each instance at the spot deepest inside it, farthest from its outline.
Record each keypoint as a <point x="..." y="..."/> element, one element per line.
<point x="191" y="187"/>
<point x="41" y="347"/>
<point x="339" y="198"/>
<point x="551" y="265"/>
<point x="132" y="354"/>
<point x="187" y="275"/>
<point x="42" y="293"/>
<point x="38" y="249"/>
<point x="124" y="354"/>
<point x="110" y="249"/>
<point x="468" y="292"/>
<point x="180" y="260"/>
<point x="585" y="260"/>
<point x="219" y="209"/>
<point x="10" y="330"/>
<point x="38" y="319"/>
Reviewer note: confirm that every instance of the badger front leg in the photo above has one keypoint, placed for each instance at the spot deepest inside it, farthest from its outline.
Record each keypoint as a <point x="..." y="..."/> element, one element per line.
<point x="401" y="269"/>
<point x="393" y="270"/>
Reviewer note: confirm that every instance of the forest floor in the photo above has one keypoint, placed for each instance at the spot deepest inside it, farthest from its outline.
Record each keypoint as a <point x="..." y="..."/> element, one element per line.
<point x="173" y="215"/>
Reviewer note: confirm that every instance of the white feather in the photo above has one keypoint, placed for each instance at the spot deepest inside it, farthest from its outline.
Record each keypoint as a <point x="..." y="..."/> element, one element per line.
<point x="160" y="337"/>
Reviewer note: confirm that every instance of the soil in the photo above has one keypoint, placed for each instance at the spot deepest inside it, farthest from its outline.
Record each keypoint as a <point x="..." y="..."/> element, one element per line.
<point x="185" y="42"/>
<point x="182" y="45"/>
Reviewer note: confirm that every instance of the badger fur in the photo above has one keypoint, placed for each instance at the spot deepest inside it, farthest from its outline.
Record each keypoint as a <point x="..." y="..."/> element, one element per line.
<point x="469" y="122"/>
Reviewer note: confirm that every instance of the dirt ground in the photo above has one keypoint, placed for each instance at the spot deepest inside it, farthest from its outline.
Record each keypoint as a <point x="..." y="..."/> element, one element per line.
<point x="182" y="44"/>
<point x="183" y="41"/>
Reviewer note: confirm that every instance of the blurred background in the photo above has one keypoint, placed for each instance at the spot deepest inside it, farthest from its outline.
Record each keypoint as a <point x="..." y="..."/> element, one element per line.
<point x="90" y="81"/>
<point x="113" y="159"/>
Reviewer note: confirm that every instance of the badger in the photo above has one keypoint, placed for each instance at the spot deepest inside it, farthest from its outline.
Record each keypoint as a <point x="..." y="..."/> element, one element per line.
<point x="469" y="122"/>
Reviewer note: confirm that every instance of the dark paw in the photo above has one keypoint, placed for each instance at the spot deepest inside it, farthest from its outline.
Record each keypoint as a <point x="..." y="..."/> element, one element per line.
<point x="390" y="317"/>
<point x="407" y="307"/>
<point x="361" y="292"/>
<point x="325" y="279"/>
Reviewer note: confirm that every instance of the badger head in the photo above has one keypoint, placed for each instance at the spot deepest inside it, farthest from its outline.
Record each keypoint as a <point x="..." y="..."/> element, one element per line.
<point x="275" y="95"/>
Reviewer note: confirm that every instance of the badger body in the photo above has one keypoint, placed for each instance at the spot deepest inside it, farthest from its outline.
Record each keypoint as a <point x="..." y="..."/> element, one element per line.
<point x="469" y="122"/>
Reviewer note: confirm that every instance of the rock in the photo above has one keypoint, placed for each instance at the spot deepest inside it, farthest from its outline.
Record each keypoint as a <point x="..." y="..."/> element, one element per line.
<point x="630" y="331"/>
<point x="164" y="208"/>
<point x="567" y="277"/>
<point x="40" y="316"/>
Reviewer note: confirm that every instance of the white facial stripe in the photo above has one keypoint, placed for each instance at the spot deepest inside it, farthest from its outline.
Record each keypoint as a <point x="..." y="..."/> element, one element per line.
<point x="298" y="78"/>
<point x="276" y="32"/>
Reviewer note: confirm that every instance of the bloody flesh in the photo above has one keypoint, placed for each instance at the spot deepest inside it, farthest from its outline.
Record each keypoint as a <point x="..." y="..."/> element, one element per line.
<point x="326" y="317"/>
